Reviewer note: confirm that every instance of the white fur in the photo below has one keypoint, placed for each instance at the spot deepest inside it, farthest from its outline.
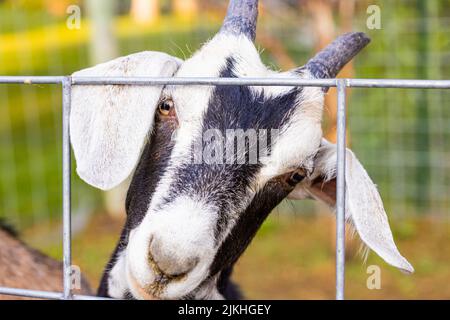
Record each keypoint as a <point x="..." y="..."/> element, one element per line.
<point x="108" y="124"/>
<point x="117" y="281"/>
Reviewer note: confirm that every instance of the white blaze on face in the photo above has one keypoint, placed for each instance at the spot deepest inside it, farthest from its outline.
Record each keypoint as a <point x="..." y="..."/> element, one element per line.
<point x="183" y="231"/>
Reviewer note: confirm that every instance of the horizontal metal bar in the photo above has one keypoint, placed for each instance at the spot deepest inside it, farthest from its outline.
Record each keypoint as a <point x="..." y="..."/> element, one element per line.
<point x="398" y="83"/>
<point x="44" y="294"/>
<point x="367" y="83"/>
<point x="204" y="81"/>
<point x="356" y="83"/>
<point x="31" y="293"/>
<point x="31" y="79"/>
<point x="84" y="297"/>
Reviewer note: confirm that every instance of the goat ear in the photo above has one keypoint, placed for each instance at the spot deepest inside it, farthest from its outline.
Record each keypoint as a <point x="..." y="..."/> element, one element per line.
<point x="364" y="206"/>
<point x="109" y="124"/>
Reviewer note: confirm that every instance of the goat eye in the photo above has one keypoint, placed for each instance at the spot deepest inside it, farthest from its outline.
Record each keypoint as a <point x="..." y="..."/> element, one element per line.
<point x="165" y="107"/>
<point x="295" y="178"/>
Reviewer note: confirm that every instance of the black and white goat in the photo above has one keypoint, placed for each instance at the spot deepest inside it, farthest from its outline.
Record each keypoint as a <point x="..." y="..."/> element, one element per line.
<point x="189" y="221"/>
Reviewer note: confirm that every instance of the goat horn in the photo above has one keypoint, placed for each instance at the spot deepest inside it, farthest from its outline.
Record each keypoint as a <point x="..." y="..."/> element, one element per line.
<point x="241" y="18"/>
<point x="328" y="62"/>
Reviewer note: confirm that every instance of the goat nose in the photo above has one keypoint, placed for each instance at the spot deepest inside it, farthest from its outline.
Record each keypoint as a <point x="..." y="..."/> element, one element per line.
<point x="166" y="260"/>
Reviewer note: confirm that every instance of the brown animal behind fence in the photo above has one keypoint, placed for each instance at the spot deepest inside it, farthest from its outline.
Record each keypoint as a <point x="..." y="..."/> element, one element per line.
<point x="24" y="267"/>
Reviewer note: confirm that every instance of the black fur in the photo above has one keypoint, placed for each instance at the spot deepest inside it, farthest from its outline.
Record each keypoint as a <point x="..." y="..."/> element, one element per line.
<point x="248" y="224"/>
<point x="150" y="169"/>
<point x="227" y="288"/>
<point x="103" y="288"/>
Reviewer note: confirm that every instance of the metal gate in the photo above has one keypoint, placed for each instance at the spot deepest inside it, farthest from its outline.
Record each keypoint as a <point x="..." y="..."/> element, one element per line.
<point x="341" y="84"/>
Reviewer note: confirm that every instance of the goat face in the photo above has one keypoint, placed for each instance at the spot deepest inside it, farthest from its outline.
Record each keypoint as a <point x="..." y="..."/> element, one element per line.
<point x="206" y="205"/>
<point x="212" y="161"/>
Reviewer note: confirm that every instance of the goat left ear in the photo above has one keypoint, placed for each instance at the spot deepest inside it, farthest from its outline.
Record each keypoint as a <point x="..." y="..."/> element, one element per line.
<point x="364" y="206"/>
<point x="109" y="124"/>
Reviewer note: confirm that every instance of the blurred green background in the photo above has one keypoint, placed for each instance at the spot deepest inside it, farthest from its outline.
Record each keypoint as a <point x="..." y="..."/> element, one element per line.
<point x="401" y="136"/>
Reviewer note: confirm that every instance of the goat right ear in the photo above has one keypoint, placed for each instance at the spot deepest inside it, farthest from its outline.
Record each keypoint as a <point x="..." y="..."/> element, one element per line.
<point x="363" y="202"/>
<point x="109" y="123"/>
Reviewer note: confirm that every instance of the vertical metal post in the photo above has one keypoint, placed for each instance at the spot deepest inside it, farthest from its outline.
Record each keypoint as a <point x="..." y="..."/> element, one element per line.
<point x="66" y="167"/>
<point x="340" y="191"/>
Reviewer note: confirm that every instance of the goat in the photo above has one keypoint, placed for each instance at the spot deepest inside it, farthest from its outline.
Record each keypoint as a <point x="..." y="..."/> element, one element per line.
<point x="24" y="267"/>
<point x="188" y="221"/>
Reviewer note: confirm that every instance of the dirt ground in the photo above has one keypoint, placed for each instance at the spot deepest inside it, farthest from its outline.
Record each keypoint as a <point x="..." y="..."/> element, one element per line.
<point x="292" y="257"/>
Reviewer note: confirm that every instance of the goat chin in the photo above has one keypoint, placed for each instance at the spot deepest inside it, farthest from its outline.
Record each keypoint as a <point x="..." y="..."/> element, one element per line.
<point x="143" y="294"/>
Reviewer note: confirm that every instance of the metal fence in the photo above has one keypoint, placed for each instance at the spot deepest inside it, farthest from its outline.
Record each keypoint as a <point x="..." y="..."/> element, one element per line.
<point x="341" y="84"/>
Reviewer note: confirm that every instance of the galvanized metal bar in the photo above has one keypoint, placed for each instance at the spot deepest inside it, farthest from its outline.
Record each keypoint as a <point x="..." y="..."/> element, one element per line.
<point x="203" y="81"/>
<point x="360" y="83"/>
<point x="66" y="167"/>
<point x="398" y="83"/>
<point x="44" y="294"/>
<point x="340" y="191"/>
<point x="32" y="79"/>
<point x="84" y="297"/>
<point x="31" y="293"/>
